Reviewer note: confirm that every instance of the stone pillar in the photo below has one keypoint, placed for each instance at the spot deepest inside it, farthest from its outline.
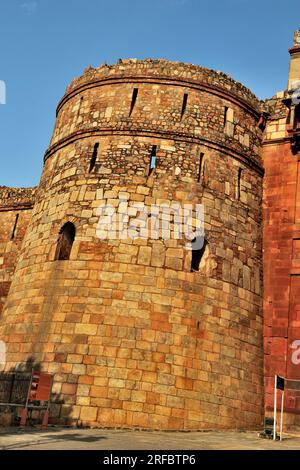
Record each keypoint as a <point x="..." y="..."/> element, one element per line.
<point x="294" y="73"/>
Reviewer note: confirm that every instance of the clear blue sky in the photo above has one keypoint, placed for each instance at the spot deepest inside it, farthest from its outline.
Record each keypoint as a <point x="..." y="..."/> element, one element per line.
<point x="44" y="44"/>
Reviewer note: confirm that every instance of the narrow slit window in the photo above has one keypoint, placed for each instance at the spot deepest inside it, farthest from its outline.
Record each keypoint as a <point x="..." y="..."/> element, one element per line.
<point x="238" y="192"/>
<point x="184" y="103"/>
<point x="133" y="100"/>
<point x="225" y="115"/>
<point x="14" y="231"/>
<point x="94" y="157"/>
<point x="261" y="124"/>
<point x="152" y="160"/>
<point x="65" y="242"/>
<point x="292" y="116"/>
<point x="229" y="121"/>
<point x="200" y="169"/>
<point x="80" y="104"/>
<point x="199" y="245"/>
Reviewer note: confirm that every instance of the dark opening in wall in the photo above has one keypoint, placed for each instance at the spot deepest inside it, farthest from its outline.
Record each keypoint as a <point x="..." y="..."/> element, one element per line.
<point x="238" y="189"/>
<point x="94" y="157"/>
<point x="199" y="245"/>
<point x="65" y="242"/>
<point x="225" y="115"/>
<point x="133" y="100"/>
<point x="152" y="164"/>
<point x="184" y="103"/>
<point x="200" y="169"/>
<point x="14" y="231"/>
<point x="262" y="121"/>
<point x="80" y="104"/>
<point x="297" y="117"/>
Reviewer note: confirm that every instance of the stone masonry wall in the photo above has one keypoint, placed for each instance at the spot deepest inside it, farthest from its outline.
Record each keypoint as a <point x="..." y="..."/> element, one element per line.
<point x="133" y="337"/>
<point x="101" y="100"/>
<point x="15" y="211"/>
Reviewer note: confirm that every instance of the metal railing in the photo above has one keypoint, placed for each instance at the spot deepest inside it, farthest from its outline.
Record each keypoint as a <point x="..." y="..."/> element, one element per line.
<point x="14" y="388"/>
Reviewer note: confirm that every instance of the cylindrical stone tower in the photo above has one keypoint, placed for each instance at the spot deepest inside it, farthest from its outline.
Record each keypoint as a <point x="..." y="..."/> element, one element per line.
<point x="140" y="332"/>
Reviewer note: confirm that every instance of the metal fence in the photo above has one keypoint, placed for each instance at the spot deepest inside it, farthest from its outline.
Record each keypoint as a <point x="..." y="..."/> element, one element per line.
<point x="14" y="387"/>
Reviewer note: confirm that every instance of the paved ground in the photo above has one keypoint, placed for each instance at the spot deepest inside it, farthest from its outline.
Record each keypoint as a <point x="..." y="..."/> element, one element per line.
<point x="57" y="438"/>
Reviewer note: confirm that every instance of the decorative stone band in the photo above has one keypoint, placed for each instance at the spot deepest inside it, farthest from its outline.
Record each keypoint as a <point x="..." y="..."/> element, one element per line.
<point x="294" y="50"/>
<point x="16" y="198"/>
<point x="278" y="140"/>
<point x="157" y="134"/>
<point x="253" y="106"/>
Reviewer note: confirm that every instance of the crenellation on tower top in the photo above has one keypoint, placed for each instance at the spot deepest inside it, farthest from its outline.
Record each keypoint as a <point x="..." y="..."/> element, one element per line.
<point x="160" y="69"/>
<point x="17" y="197"/>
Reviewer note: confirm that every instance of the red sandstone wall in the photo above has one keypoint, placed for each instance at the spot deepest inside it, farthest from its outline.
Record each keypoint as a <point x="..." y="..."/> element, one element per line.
<point x="281" y="263"/>
<point x="14" y="203"/>
<point x="132" y="336"/>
